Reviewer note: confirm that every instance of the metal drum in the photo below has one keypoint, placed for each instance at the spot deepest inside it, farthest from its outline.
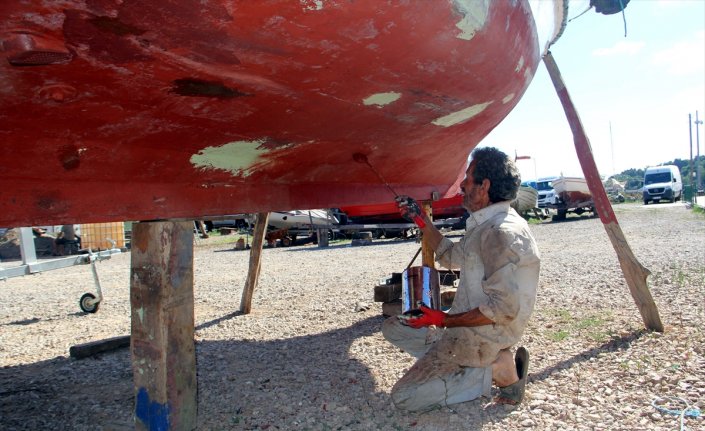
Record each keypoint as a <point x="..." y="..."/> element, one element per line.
<point x="420" y="284"/>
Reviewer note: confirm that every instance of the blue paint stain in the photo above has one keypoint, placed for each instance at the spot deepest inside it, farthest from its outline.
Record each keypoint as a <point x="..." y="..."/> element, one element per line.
<point x="153" y="415"/>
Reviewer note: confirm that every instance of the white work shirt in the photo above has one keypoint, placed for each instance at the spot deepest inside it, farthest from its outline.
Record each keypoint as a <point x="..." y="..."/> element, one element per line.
<point x="499" y="274"/>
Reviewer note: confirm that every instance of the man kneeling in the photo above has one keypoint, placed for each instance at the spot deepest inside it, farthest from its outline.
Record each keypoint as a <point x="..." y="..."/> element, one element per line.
<point x="460" y="353"/>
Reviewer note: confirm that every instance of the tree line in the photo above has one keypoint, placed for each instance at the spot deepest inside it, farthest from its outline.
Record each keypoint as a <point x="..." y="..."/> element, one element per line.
<point x="633" y="175"/>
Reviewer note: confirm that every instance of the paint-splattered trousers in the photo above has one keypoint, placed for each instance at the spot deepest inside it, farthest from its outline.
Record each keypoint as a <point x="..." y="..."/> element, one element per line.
<point x="435" y="380"/>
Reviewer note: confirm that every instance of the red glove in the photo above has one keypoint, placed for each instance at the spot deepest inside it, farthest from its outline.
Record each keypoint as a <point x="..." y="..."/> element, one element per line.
<point x="410" y="210"/>
<point x="428" y="318"/>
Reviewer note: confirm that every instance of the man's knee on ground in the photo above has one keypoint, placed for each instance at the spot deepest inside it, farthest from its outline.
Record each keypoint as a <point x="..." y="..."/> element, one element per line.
<point x="392" y="330"/>
<point x="419" y="390"/>
<point x="415" y="397"/>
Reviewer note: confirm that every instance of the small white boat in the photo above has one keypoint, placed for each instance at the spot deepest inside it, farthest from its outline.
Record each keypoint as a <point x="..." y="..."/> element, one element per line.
<point x="302" y="219"/>
<point x="572" y="191"/>
<point x="526" y="200"/>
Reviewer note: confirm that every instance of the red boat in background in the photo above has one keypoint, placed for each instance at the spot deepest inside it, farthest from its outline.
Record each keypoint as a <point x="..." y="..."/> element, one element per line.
<point x="134" y="110"/>
<point x="389" y="213"/>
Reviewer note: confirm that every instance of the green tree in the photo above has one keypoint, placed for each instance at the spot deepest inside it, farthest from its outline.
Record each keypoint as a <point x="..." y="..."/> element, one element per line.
<point x="635" y="174"/>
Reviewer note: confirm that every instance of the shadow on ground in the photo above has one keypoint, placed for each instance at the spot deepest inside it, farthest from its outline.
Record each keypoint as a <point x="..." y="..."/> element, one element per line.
<point x="615" y="344"/>
<point x="243" y="384"/>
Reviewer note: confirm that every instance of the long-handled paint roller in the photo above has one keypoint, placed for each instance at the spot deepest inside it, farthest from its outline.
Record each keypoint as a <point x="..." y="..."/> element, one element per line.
<point x="361" y="158"/>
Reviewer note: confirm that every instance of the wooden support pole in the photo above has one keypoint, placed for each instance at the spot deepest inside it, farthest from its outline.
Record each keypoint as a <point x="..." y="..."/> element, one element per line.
<point x="255" y="254"/>
<point x="162" y="339"/>
<point x="202" y="228"/>
<point x="427" y="255"/>
<point x="634" y="273"/>
<point x="322" y="237"/>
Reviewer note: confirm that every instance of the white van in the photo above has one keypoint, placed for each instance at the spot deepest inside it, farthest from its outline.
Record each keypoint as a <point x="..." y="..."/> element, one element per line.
<point x="662" y="183"/>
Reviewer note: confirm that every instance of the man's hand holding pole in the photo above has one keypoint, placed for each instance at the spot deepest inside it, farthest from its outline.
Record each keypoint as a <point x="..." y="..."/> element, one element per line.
<point x="410" y="210"/>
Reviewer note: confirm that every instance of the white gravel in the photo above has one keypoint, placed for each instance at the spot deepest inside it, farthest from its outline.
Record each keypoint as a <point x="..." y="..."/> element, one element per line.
<point x="305" y="359"/>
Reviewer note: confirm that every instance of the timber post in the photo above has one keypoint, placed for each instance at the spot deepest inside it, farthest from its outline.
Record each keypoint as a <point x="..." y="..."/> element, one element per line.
<point x="322" y="237"/>
<point x="634" y="273"/>
<point x="255" y="262"/>
<point x="427" y="254"/>
<point x="162" y="340"/>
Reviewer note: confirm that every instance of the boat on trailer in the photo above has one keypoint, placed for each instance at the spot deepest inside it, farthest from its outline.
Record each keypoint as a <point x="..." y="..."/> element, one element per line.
<point x="572" y="191"/>
<point x="572" y="196"/>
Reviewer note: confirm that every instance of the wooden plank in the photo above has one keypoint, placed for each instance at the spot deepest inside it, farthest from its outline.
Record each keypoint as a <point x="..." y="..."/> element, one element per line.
<point x="162" y="347"/>
<point x="634" y="273"/>
<point x="85" y="350"/>
<point x="255" y="254"/>
<point x="227" y="230"/>
<point x="387" y="292"/>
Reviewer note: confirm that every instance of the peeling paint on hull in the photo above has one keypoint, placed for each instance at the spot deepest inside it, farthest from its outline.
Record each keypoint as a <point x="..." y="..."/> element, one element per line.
<point x="461" y="116"/>
<point x="233" y="157"/>
<point x="176" y="109"/>
<point x="474" y="17"/>
<point x="381" y="99"/>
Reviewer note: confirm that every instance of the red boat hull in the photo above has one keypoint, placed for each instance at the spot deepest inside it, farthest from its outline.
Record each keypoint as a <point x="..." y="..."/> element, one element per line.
<point x="137" y="110"/>
<point x="388" y="212"/>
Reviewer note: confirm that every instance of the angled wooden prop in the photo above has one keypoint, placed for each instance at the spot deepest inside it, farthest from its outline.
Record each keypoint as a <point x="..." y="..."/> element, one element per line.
<point x="255" y="262"/>
<point x="634" y="273"/>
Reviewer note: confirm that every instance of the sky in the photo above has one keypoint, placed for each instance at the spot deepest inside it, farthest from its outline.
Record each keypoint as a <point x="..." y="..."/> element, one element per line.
<point x="633" y="94"/>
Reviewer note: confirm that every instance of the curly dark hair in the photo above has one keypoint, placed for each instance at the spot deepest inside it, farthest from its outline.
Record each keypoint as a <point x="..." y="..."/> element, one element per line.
<point x="502" y="172"/>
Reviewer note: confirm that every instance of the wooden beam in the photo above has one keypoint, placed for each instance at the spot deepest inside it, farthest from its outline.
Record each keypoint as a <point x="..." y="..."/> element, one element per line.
<point x="255" y="254"/>
<point x="85" y="350"/>
<point x="162" y="339"/>
<point x="427" y="255"/>
<point x="634" y="273"/>
<point x="322" y="237"/>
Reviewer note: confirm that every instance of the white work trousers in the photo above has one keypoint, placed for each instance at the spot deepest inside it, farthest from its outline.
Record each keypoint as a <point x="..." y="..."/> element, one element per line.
<point x="435" y="380"/>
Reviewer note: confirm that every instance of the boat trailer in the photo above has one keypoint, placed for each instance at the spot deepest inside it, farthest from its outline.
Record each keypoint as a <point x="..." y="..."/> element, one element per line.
<point x="562" y="208"/>
<point x="31" y="265"/>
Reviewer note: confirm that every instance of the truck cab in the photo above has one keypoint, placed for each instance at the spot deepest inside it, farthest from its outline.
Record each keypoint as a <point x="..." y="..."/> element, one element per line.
<point x="662" y="183"/>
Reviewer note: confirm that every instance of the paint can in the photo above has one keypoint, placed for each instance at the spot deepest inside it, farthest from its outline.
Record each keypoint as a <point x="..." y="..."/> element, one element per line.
<point x="420" y="284"/>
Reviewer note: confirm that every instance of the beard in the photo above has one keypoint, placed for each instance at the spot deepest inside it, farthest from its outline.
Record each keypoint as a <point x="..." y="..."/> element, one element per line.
<point x="466" y="202"/>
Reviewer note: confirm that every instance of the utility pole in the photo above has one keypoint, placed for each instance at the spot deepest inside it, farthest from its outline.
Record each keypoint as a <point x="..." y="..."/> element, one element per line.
<point x="612" y="148"/>
<point x="690" y="170"/>
<point x="698" y="122"/>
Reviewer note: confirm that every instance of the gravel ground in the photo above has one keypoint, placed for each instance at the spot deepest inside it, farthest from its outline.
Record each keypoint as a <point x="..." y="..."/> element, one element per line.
<point x="306" y="359"/>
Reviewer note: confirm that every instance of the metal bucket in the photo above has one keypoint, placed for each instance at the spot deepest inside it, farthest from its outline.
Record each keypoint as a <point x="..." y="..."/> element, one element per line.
<point x="420" y="284"/>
